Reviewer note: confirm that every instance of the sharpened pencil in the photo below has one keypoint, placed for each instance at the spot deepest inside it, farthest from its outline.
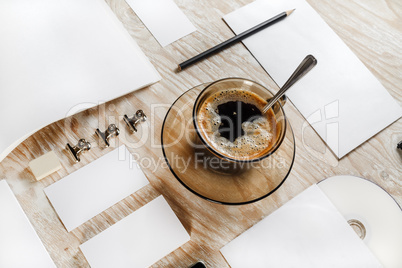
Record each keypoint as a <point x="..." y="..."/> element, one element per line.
<point x="234" y="39"/>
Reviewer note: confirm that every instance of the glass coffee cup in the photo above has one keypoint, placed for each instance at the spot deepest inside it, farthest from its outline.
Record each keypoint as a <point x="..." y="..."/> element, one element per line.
<point x="207" y="171"/>
<point x="233" y="133"/>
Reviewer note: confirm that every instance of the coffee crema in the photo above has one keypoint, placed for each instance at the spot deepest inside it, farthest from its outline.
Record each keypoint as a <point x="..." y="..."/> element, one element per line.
<point x="231" y="122"/>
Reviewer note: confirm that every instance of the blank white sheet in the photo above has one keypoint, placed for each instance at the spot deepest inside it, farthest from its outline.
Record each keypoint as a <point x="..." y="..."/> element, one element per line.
<point x="59" y="54"/>
<point x="139" y="240"/>
<point x="163" y="18"/>
<point x="94" y="188"/>
<point x="340" y="98"/>
<point x="20" y="246"/>
<point x="307" y="232"/>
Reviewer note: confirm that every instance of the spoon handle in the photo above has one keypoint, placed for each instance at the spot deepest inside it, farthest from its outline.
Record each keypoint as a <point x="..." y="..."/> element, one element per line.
<point x="305" y="66"/>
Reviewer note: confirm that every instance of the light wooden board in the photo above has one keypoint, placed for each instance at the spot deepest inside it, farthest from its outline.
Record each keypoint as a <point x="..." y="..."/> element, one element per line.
<point x="372" y="29"/>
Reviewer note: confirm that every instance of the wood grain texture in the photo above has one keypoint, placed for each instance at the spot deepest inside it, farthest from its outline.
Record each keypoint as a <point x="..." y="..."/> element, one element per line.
<point x="372" y="29"/>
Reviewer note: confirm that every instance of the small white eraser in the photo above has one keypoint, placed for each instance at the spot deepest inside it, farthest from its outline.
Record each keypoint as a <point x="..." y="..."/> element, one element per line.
<point x="45" y="165"/>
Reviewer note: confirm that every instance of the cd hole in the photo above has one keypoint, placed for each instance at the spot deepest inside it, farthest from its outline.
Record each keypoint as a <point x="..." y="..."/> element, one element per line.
<point x="358" y="227"/>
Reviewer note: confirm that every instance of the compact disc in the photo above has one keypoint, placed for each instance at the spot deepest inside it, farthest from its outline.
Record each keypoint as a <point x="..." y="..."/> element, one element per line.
<point x="372" y="212"/>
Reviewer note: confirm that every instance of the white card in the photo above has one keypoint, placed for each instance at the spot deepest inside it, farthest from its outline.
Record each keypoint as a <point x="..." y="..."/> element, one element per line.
<point x="94" y="188"/>
<point x="62" y="57"/>
<point x="139" y="240"/>
<point x="340" y="98"/>
<point x="20" y="246"/>
<point x="163" y="18"/>
<point x="308" y="231"/>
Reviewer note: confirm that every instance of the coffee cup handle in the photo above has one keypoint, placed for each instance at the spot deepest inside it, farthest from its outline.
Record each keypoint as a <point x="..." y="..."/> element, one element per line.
<point x="283" y="100"/>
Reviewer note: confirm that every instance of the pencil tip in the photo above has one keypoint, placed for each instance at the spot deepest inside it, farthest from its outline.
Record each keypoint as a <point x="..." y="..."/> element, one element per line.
<point x="290" y="12"/>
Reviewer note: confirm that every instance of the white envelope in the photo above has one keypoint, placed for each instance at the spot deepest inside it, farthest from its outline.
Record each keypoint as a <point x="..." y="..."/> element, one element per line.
<point x="308" y="231"/>
<point x="340" y="98"/>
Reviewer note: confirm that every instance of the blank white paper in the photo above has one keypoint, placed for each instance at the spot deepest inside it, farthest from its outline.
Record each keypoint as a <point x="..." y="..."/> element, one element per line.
<point x="360" y="199"/>
<point x="163" y="18"/>
<point x="340" y="98"/>
<point x="308" y="231"/>
<point x="58" y="55"/>
<point x="139" y="240"/>
<point x="94" y="188"/>
<point x="20" y="246"/>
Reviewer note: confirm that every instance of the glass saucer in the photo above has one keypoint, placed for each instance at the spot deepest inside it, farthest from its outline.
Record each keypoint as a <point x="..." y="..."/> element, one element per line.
<point x="253" y="184"/>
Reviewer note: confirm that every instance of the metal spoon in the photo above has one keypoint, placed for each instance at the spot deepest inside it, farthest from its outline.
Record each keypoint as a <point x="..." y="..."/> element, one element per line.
<point x="305" y="66"/>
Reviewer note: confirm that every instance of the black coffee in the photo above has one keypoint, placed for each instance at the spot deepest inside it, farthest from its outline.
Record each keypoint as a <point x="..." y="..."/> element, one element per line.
<point x="232" y="124"/>
<point x="233" y="114"/>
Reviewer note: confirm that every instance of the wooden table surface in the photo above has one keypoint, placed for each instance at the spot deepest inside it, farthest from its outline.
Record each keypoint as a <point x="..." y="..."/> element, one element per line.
<point x="372" y="29"/>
